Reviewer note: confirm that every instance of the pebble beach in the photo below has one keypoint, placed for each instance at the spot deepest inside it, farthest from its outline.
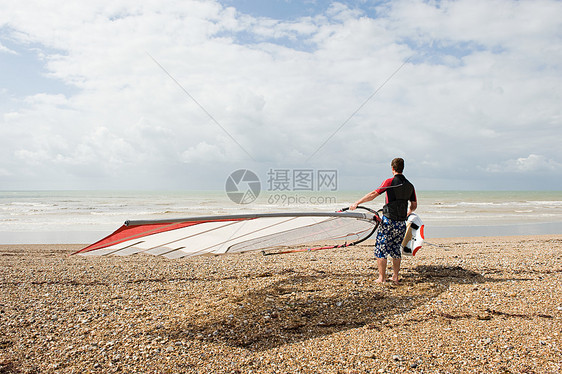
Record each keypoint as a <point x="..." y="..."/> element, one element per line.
<point x="463" y="305"/>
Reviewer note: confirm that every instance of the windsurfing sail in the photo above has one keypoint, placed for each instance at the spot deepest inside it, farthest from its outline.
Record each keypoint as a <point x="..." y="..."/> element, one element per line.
<point x="177" y="238"/>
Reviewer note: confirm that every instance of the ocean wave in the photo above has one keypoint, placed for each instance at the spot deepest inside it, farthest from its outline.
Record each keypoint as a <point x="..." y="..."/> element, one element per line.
<point x="83" y="210"/>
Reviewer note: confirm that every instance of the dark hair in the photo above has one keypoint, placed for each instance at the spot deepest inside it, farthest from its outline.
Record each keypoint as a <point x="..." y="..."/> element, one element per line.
<point x="397" y="165"/>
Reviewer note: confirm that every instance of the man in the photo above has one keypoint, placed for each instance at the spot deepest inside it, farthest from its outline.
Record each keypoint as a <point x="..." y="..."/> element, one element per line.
<point x="395" y="212"/>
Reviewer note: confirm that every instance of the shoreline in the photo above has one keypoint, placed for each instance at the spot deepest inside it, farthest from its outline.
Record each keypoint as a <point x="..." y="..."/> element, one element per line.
<point x="467" y="304"/>
<point x="431" y="233"/>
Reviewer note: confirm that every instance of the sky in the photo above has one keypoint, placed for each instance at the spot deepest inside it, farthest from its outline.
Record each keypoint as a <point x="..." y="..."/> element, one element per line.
<point x="176" y="95"/>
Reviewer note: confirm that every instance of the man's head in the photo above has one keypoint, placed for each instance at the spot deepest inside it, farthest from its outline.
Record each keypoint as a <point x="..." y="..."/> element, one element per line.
<point x="397" y="165"/>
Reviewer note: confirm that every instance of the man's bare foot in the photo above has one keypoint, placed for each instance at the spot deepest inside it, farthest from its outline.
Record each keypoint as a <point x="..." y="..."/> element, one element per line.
<point x="395" y="280"/>
<point x="380" y="280"/>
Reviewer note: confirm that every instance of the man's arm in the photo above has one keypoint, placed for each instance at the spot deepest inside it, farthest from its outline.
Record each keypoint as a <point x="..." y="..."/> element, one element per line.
<point x="368" y="197"/>
<point x="413" y="206"/>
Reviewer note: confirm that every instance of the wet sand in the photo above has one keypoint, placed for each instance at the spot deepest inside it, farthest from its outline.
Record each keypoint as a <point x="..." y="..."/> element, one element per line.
<point x="469" y="305"/>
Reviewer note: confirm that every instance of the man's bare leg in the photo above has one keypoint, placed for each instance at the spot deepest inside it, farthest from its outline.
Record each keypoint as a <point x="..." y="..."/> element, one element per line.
<point x="395" y="269"/>
<point x="381" y="263"/>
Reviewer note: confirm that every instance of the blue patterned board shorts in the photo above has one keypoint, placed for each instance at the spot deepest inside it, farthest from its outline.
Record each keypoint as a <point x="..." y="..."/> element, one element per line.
<point x="389" y="238"/>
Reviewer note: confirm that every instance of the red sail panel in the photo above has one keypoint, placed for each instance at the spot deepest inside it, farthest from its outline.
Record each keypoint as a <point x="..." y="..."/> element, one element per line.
<point x="125" y="233"/>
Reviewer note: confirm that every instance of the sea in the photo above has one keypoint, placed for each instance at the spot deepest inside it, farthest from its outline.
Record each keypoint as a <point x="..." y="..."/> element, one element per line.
<point x="83" y="217"/>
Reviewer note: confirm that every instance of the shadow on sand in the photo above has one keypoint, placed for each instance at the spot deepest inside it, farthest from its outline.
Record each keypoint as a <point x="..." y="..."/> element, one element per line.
<point x="302" y="307"/>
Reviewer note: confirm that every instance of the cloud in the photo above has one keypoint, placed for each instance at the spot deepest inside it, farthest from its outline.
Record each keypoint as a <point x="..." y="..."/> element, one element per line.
<point x="534" y="164"/>
<point x="203" y="153"/>
<point x="483" y="83"/>
<point x="4" y="49"/>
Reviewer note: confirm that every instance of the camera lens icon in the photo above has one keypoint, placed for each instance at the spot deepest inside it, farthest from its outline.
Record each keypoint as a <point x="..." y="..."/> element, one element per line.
<point x="243" y="186"/>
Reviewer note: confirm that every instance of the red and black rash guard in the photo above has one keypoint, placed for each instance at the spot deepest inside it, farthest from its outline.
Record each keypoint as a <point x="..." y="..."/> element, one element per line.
<point x="398" y="192"/>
